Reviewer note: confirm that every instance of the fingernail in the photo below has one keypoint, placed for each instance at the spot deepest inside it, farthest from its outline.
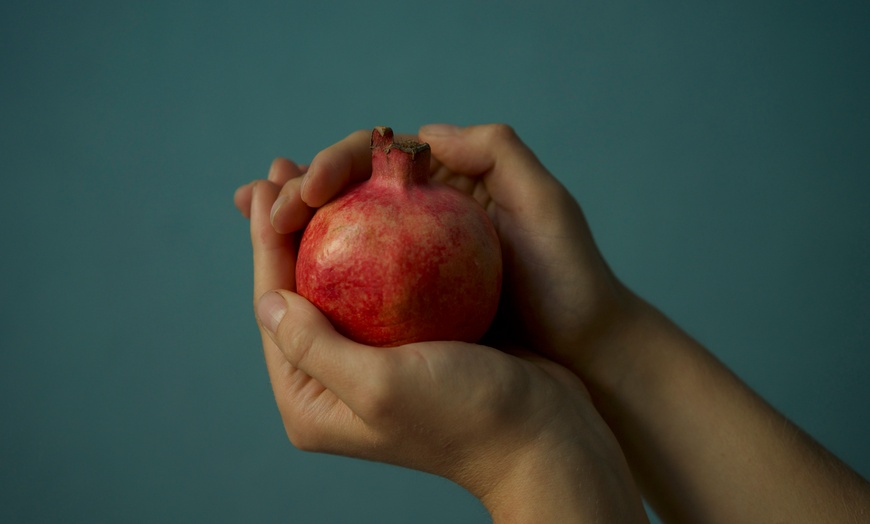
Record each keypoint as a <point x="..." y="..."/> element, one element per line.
<point x="276" y="206"/>
<point x="439" y="130"/>
<point x="270" y="310"/>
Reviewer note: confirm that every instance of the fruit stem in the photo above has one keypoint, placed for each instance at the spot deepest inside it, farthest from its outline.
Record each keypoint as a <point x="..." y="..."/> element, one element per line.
<point x="405" y="162"/>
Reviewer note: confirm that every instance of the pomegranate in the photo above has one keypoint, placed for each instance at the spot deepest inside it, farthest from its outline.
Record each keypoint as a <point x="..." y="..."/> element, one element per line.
<point x="400" y="258"/>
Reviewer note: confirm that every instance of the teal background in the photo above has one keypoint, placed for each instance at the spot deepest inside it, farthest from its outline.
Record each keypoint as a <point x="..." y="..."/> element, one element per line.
<point x="720" y="150"/>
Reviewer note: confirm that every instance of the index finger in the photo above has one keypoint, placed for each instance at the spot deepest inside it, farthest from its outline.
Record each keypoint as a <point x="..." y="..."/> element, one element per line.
<point x="345" y="162"/>
<point x="339" y="165"/>
<point x="331" y="170"/>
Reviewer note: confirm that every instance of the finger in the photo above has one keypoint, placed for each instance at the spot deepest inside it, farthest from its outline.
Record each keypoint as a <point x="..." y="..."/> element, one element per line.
<point x="310" y="343"/>
<point x="274" y="253"/>
<point x="289" y="213"/>
<point x="476" y="150"/>
<point x="274" y="268"/>
<point x="510" y="169"/>
<point x="242" y="199"/>
<point x="314" y="417"/>
<point x="280" y="171"/>
<point x="338" y="166"/>
<point x="331" y="170"/>
<point x="283" y="170"/>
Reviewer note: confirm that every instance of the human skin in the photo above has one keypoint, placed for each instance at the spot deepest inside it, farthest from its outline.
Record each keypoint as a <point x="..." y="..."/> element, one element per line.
<point x="702" y="445"/>
<point x="516" y="430"/>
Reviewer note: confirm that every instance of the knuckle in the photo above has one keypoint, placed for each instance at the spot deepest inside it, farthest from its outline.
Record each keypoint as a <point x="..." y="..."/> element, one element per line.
<point x="303" y="439"/>
<point x="305" y="426"/>
<point x="378" y="402"/>
<point x="290" y="188"/>
<point x="500" y="133"/>
<point x="376" y="405"/>
<point x="360" y="134"/>
<point x="297" y="340"/>
<point x="325" y="159"/>
<point x="277" y="163"/>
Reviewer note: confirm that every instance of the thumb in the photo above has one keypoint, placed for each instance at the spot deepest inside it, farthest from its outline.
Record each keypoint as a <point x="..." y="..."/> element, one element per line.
<point x="309" y="342"/>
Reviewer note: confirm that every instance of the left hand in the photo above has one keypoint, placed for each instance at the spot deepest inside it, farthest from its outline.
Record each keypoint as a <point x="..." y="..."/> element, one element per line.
<point x="490" y="421"/>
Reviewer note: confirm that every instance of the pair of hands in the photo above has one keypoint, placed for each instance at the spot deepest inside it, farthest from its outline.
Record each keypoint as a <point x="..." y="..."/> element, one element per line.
<point x="496" y="421"/>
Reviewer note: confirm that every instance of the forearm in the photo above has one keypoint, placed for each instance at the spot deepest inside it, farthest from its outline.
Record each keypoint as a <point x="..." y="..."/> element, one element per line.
<point x="703" y="446"/>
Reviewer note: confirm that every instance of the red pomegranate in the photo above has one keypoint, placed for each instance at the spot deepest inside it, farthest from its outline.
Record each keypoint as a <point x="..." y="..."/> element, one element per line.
<point x="400" y="258"/>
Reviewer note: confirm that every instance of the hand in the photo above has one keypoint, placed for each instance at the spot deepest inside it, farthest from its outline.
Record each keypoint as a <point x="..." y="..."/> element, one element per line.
<point x="680" y="415"/>
<point x="521" y="434"/>
<point x="557" y="287"/>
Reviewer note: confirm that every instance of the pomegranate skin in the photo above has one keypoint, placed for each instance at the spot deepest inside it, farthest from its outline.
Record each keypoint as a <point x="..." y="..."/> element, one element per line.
<point x="400" y="259"/>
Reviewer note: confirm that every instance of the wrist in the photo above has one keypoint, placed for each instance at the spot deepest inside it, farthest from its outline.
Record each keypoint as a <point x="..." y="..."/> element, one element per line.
<point x="581" y="478"/>
<point x="634" y="354"/>
<point x="613" y="339"/>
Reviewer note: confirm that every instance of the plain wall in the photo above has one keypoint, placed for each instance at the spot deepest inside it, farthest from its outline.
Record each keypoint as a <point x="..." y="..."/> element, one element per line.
<point x="721" y="152"/>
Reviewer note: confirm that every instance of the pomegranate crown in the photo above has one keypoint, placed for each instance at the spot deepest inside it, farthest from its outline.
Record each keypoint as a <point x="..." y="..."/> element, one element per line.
<point x="382" y="140"/>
